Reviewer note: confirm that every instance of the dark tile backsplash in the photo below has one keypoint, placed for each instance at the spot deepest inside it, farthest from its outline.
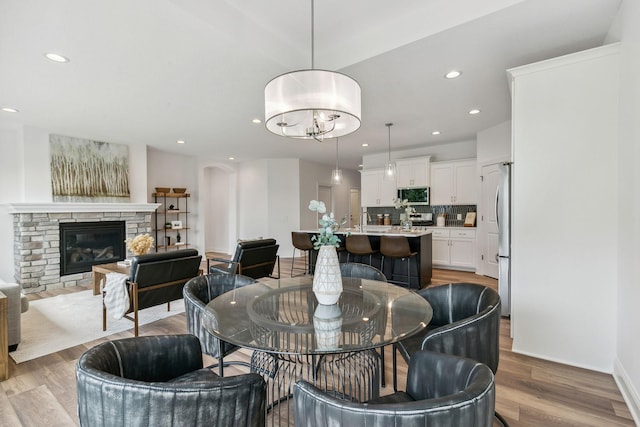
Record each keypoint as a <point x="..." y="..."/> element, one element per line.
<point x="451" y="210"/>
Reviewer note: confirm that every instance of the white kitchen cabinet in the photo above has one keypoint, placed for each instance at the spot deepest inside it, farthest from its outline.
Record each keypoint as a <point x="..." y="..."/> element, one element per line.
<point x="453" y="248"/>
<point x="440" y="246"/>
<point x="454" y="183"/>
<point x="413" y="172"/>
<point x="375" y="190"/>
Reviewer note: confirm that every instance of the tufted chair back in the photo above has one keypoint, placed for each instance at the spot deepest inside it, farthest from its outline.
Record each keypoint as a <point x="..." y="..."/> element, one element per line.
<point x="442" y="391"/>
<point x="197" y="293"/>
<point x="159" y="380"/>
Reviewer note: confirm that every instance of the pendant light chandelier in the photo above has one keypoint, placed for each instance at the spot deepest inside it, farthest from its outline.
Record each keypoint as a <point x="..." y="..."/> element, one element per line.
<point x="390" y="168"/>
<point x="336" y="174"/>
<point x="312" y="104"/>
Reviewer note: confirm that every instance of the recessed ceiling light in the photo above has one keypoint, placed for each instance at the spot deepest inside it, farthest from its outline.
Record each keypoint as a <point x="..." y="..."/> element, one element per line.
<point x="474" y="111"/>
<point x="256" y="121"/>
<point x="56" y="57"/>
<point x="453" y="74"/>
<point x="365" y="145"/>
<point x="180" y="141"/>
<point x="232" y="158"/>
<point x="435" y="132"/>
<point x="360" y="165"/>
<point x="9" y="110"/>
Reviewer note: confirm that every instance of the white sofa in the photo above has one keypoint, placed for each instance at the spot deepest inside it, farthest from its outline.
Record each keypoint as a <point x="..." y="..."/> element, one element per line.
<point x="17" y="303"/>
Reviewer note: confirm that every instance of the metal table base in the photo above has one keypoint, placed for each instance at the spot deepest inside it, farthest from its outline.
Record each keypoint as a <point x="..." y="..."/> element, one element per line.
<point x="350" y="376"/>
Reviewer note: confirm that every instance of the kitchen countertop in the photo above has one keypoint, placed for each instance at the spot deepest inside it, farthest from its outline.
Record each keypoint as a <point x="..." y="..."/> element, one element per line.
<point x="452" y="227"/>
<point x="379" y="231"/>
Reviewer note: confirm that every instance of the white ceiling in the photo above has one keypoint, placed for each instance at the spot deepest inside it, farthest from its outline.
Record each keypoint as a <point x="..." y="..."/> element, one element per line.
<point x="155" y="71"/>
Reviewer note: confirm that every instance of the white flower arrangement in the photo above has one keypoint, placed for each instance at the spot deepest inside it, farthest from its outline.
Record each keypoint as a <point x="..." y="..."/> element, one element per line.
<point x="404" y="204"/>
<point x="328" y="226"/>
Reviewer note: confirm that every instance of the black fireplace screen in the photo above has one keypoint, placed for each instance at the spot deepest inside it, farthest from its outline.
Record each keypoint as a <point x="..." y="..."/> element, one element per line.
<point x="84" y="244"/>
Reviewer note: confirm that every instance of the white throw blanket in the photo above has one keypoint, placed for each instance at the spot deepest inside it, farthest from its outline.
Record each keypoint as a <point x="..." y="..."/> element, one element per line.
<point x="116" y="298"/>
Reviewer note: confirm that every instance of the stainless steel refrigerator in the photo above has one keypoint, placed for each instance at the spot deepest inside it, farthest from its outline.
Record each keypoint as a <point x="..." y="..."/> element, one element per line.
<point x="503" y="218"/>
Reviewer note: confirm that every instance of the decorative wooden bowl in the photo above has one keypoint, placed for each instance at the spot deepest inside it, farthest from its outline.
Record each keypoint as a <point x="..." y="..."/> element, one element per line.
<point x="179" y="190"/>
<point x="162" y="189"/>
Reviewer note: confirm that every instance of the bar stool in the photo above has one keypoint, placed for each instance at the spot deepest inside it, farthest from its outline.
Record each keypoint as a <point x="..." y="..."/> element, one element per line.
<point x="359" y="244"/>
<point x="302" y="242"/>
<point x="397" y="247"/>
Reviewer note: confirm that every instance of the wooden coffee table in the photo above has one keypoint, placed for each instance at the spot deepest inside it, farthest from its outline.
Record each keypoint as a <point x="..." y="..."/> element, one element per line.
<point x="100" y="271"/>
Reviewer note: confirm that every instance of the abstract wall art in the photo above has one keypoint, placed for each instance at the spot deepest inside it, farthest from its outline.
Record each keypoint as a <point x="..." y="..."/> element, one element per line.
<point x="83" y="170"/>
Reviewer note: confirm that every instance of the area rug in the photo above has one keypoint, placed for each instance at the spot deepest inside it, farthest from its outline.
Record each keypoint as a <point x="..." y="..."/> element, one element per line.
<point x="64" y="321"/>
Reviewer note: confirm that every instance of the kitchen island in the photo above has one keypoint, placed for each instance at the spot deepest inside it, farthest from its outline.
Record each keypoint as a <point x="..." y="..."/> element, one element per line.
<point x="393" y="269"/>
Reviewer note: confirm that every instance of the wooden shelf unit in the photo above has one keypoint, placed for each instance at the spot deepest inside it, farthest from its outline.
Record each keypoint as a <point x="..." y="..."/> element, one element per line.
<point x="166" y="237"/>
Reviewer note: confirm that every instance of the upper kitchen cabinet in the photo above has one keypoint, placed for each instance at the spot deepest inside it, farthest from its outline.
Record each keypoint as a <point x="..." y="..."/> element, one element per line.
<point x="375" y="190"/>
<point x="454" y="183"/>
<point x="413" y="173"/>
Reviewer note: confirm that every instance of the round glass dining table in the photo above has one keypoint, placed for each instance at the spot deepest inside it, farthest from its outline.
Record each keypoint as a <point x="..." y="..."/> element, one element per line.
<point x="295" y="337"/>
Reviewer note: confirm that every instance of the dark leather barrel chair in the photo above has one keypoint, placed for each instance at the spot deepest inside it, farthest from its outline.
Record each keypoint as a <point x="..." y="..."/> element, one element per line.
<point x="197" y="293"/>
<point x="465" y="322"/>
<point x="159" y="381"/>
<point x="442" y="391"/>
<point x="363" y="271"/>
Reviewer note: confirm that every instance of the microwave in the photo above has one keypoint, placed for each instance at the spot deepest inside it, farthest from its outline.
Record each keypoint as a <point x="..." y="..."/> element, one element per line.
<point x="415" y="196"/>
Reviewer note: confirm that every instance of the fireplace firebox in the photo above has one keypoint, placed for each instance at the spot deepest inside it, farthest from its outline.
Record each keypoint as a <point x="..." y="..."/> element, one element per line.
<point x="84" y="244"/>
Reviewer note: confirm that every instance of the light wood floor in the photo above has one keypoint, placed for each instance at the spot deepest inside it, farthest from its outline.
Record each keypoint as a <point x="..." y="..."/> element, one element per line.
<point x="530" y="392"/>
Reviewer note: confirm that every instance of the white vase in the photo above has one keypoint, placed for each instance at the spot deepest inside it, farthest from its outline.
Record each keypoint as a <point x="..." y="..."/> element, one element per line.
<point x="327" y="280"/>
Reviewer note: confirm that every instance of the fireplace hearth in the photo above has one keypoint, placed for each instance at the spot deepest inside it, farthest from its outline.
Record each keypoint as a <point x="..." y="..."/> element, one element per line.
<point x="84" y="244"/>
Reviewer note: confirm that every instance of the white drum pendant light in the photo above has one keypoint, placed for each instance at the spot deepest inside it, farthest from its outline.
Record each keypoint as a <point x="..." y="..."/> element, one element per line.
<point x="312" y="104"/>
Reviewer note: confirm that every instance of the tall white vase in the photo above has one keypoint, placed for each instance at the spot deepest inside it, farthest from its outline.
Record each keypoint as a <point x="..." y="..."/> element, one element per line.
<point x="327" y="280"/>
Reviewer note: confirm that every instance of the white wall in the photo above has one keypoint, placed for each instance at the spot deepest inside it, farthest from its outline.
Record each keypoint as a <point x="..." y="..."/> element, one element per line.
<point x="627" y="363"/>
<point x="564" y="264"/>
<point x="253" y="200"/>
<point x="218" y="208"/>
<point x="284" y="200"/>
<point x="494" y="144"/>
<point x="12" y="178"/>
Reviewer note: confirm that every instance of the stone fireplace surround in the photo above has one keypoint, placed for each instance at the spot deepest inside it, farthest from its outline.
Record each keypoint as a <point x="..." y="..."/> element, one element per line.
<point x="36" y="244"/>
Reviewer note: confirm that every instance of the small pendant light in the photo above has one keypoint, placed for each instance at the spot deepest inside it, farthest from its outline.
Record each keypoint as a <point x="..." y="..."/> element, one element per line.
<point x="336" y="174"/>
<point x="390" y="168"/>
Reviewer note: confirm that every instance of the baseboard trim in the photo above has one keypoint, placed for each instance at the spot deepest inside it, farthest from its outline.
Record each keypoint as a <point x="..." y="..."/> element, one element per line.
<point x="629" y="394"/>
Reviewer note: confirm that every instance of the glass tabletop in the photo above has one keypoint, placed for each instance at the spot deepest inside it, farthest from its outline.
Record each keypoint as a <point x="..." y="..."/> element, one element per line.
<point x="283" y="316"/>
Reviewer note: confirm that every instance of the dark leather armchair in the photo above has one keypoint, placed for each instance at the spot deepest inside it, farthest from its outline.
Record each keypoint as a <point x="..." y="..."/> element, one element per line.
<point x="157" y="278"/>
<point x="465" y="322"/>
<point x="159" y="380"/>
<point x="253" y="258"/>
<point x="197" y="293"/>
<point x="442" y="391"/>
<point x="363" y="271"/>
